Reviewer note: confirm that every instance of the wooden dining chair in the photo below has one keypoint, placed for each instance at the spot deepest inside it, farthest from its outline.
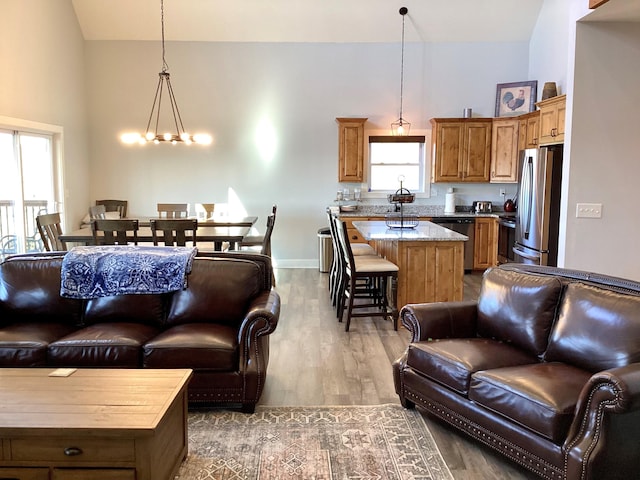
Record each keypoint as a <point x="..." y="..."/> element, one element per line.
<point x="114" y="232"/>
<point x="175" y="231"/>
<point x="97" y="211"/>
<point x="173" y="210"/>
<point x="258" y="240"/>
<point x="115" y="206"/>
<point x="50" y="229"/>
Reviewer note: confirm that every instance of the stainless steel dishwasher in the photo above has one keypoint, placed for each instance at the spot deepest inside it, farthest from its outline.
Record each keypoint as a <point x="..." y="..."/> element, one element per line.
<point x="465" y="226"/>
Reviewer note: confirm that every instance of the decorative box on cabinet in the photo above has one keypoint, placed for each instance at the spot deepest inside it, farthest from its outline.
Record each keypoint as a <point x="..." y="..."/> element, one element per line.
<point x="552" y="113"/>
<point x="351" y="149"/>
<point x="504" y="150"/>
<point x="461" y="149"/>
<point x="529" y="130"/>
<point x="485" y="244"/>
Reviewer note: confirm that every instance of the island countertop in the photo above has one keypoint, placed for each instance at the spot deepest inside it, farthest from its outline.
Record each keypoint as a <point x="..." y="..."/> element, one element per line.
<point x="424" y="232"/>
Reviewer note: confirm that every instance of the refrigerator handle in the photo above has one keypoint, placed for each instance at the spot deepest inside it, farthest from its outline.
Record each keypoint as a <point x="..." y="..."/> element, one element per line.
<point x="518" y="251"/>
<point x="527" y="187"/>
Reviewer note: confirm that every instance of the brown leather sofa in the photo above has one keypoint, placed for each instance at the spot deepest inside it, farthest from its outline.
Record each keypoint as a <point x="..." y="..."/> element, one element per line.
<point x="218" y="326"/>
<point x="544" y="368"/>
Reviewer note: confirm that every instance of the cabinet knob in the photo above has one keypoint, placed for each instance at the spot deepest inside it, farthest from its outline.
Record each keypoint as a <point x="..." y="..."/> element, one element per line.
<point x="73" y="451"/>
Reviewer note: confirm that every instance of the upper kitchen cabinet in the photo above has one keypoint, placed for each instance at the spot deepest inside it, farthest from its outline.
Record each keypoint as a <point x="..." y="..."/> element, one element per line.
<point x="504" y="150"/>
<point x="529" y="130"/>
<point x="351" y="149"/>
<point x="461" y="149"/>
<point x="552" y="113"/>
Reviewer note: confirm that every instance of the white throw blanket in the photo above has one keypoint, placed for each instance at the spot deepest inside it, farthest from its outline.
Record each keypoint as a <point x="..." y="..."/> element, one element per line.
<point x="102" y="271"/>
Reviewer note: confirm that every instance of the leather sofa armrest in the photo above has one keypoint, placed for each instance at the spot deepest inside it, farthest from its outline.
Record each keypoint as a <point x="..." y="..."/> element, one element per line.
<point x="261" y="318"/>
<point x="607" y="415"/>
<point x="440" y="320"/>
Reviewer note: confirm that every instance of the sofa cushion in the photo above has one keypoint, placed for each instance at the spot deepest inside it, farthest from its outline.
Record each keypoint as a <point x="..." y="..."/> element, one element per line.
<point x="541" y="397"/>
<point x="518" y="308"/>
<point x="596" y="329"/>
<point x="218" y="291"/>
<point x="205" y="346"/>
<point x="25" y="344"/>
<point x="30" y="292"/>
<point x="102" y="345"/>
<point x="147" y="309"/>
<point x="451" y="362"/>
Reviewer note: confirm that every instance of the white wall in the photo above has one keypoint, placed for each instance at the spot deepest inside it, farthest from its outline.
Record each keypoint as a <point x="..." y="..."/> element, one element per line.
<point x="230" y="89"/>
<point x="42" y="80"/>
<point x="604" y="154"/>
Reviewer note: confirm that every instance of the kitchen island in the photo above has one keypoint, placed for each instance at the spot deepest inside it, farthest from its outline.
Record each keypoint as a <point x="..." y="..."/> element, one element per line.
<point x="429" y="258"/>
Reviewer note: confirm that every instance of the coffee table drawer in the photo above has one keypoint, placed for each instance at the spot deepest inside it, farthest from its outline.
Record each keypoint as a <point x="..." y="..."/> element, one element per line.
<point x="25" y="473"/>
<point x="94" y="474"/>
<point x="73" y="449"/>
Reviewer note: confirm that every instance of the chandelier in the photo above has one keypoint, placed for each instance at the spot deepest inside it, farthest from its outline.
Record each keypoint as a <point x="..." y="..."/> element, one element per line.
<point x="401" y="126"/>
<point x="151" y="133"/>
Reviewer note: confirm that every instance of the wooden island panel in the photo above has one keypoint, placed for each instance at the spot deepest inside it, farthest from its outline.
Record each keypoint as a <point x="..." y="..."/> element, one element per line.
<point x="428" y="271"/>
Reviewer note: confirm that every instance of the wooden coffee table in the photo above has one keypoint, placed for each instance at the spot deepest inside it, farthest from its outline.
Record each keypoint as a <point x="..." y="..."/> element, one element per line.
<point x="95" y="424"/>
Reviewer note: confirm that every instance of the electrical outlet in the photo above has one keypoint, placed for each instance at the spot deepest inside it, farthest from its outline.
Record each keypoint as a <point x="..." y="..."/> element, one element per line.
<point x="434" y="192"/>
<point x="503" y="192"/>
<point x="589" y="210"/>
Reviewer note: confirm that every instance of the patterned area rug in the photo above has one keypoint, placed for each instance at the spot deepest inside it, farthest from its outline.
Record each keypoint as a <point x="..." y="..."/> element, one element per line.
<point x="385" y="442"/>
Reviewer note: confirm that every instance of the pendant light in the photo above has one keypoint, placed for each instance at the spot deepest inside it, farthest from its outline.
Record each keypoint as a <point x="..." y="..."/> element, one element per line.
<point x="151" y="132"/>
<point x="401" y="126"/>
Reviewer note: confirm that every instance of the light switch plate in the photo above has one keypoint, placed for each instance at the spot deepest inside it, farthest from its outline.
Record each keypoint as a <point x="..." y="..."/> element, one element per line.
<point x="589" y="210"/>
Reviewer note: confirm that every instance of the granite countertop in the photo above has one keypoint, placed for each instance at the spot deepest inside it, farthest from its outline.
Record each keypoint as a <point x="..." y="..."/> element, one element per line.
<point x="420" y="211"/>
<point x="424" y="232"/>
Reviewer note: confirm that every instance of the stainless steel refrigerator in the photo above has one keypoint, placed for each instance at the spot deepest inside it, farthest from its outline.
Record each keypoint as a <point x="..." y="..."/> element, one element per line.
<point x="538" y="206"/>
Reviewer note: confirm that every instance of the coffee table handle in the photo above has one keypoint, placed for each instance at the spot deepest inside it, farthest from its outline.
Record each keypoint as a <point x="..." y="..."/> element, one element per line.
<point x="73" y="451"/>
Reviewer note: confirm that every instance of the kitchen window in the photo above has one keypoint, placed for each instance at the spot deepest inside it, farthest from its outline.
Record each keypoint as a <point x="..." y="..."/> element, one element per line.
<point x="391" y="157"/>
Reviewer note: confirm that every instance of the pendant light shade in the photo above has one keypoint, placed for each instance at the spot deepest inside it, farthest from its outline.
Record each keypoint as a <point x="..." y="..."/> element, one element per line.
<point x="176" y="132"/>
<point x="401" y="126"/>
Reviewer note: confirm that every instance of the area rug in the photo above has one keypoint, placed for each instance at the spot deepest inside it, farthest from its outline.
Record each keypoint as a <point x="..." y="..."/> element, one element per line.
<point x="383" y="442"/>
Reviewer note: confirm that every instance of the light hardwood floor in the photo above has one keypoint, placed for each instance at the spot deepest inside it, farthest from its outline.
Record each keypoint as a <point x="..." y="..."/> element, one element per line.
<point x="313" y="361"/>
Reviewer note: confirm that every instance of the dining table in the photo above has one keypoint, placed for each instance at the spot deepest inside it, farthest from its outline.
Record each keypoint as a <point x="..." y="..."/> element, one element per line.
<point x="205" y="233"/>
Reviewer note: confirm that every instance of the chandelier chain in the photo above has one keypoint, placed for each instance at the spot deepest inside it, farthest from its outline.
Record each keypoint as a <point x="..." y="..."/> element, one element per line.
<point x="402" y="67"/>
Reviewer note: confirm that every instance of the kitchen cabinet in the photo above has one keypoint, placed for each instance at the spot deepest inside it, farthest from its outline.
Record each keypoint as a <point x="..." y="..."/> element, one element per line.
<point x="351" y="149"/>
<point x="461" y="149"/>
<point x="504" y="150"/>
<point x="485" y="246"/>
<point x="552" y="115"/>
<point x="529" y="130"/>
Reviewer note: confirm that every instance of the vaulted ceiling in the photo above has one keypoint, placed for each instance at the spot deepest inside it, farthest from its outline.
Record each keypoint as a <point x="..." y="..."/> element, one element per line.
<point x="309" y="20"/>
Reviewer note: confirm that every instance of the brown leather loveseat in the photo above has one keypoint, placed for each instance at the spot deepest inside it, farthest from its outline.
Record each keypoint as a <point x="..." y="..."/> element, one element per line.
<point x="219" y="325"/>
<point x="544" y="368"/>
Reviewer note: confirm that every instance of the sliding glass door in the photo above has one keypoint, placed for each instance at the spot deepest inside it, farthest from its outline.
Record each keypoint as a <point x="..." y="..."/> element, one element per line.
<point x="27" y="189"/>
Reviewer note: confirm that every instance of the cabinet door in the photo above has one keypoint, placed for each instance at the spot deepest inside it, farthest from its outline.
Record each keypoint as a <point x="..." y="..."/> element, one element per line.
<point x="522" y="134"/>
<point x="504" y="151"/>
<point x="552" y="113"/>
<point x="448" y="143"/>
<point x="485" y="243"/>
<point x="533" y="130"/>
<point x="476" y="161"/>
<point x="351" y="149"/>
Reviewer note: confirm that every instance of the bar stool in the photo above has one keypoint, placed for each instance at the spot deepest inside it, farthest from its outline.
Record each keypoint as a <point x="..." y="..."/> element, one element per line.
<point x="379" y="276"/>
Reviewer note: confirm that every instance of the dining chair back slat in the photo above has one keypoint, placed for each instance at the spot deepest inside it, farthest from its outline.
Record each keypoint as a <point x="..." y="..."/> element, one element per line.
<point x="50" y="229"/>
<point x="175" y="232"/>
<point x="114" y="232"/>
<point x="173" y="210"/>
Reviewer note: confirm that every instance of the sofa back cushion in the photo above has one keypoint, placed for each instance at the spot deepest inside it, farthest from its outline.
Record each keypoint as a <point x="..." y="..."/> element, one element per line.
<point x="518" y="308"/>
<point x="597" y="329"/>
<point x="30" y="291"/>
<point x="218" y="291"/>
<point x="146" y="309"/>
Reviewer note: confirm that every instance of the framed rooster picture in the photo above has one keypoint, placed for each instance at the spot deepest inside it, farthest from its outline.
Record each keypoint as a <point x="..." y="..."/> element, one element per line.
<point x="516" y="98"/>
